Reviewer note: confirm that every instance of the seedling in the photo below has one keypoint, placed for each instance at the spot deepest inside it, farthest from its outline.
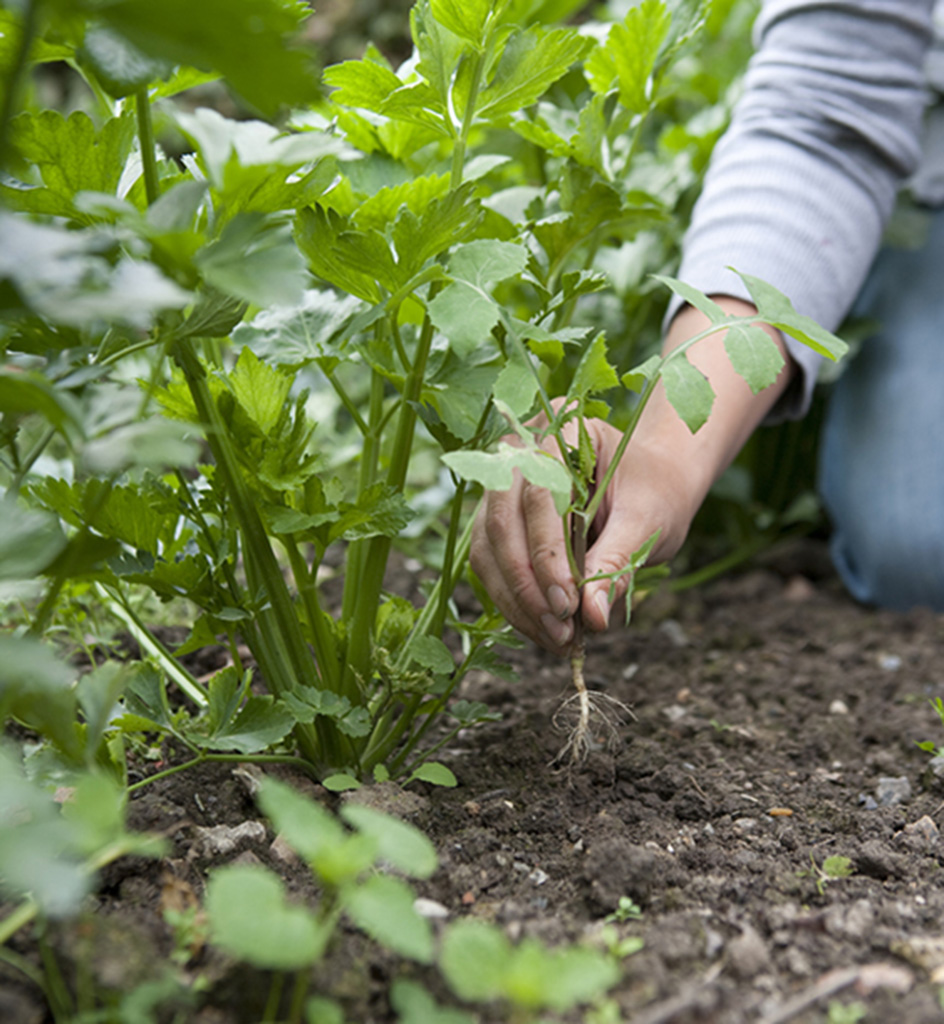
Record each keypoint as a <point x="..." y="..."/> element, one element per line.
<point x="832" y="868"/>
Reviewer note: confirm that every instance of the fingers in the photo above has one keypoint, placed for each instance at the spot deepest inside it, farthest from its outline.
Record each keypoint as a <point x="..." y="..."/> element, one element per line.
<point x="521" y="563"/>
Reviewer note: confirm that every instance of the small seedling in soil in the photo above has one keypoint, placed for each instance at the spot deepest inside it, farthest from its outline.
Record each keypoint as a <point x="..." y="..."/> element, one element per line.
<point x="832" y="868"/>
<point x="845" y="1013"/>
<point x="626" y="910"/>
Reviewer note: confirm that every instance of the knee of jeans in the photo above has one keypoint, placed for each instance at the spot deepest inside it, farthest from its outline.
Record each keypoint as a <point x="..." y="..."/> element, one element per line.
<point x="895" y="568"/>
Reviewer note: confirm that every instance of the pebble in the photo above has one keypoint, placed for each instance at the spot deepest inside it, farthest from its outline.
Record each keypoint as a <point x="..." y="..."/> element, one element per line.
<point x="430" y="909"/>
<point x="748" y="954"/>
<point x="889" y="662"/>
<point x="745" y="824"/>
<point x="839" y="707"/>
<point x="867" y="802"/>
<point x="538" y="877"/>
<point x="223" y="839"/>
<point x="677" y="636"/>
<point x="920" y="834"/>
<point x="892" y="790"/>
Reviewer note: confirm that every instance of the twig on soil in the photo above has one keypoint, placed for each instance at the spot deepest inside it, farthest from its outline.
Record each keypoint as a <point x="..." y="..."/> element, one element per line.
<point x="828" y="985"/>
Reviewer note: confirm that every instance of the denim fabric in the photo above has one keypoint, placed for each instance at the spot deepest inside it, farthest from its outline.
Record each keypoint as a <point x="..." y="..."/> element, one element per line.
<point x="882" y="448"/>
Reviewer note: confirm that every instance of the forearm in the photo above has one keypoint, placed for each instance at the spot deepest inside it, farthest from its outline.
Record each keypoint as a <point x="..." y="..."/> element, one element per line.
<point x="697" y="460"/>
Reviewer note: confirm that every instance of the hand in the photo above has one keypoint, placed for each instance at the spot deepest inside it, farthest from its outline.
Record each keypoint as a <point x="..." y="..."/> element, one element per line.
<point x="518" y="543"/>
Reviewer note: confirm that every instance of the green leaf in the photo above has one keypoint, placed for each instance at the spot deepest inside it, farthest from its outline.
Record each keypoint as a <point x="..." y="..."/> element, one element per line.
<point x="630" y="53"/>
<point x="259" y="724"/>
<point x="435" y="774"/>
<point x="340" y="782"/>
<point x="37" y="690"/>
<point x="468" y="712"/>
<point x="414" y="1005"/>
<point x="72" y="156"/>
<point x="153" y="443"/>
<point x="379" y="512"/>
<point x="23" y="392"/>
<point x="473" y="960"/>
<point x="255" y="53"/>
<point x="353" y="261"/>
<point x="255" y="260"/>
<point x="383" y="907"/>
<point x="29" y="541"/>
<point x="62" y="276"/>
<point x="432" y="653"/>
<point x="533" y="59"/>
<point x="260" y="389"/>
<point x="465" y="18"/>
<point x="305" y="825"/>
<point x="775" y="308"/>
<point x="594" y="373"/>
<point x="688" y="391"/>
<point x="754" y="355"/>
<point x="495" y="470"/>
<point x="397" y="842"/>
<point x="517" y="384"/>
<point x="695" y="298"/>
<point x="465" y="314"/>
<point x="486" y="261"/>
<point x="319" y="1010"/>
<point x="637" y="378"/>
<point x="120" y="67"/>
<point x="251" y="919"/>
<point x="361" y="83"/>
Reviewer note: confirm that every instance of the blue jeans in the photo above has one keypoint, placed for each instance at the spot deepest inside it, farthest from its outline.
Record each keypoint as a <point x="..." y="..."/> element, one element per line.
<point x="882" y="447"/>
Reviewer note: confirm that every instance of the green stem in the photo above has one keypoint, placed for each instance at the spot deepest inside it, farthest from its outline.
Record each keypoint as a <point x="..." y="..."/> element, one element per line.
<point x="299" y="991"/>
<point x="27" y="463"/>
<point x="23" y="914"/>
<point x="325" y="648"/>
<point x="445" y="575"/>
<point x="203" y="758"/>
<point x="271" y="1013"/>
<point x="118" y="606"/>
<point x="468" y="117"/>
<point x="142" y="106"/>
<point x="11" y="92"/>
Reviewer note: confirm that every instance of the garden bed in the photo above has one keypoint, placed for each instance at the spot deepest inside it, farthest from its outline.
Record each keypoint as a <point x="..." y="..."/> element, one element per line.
<point x="776" y="726"/>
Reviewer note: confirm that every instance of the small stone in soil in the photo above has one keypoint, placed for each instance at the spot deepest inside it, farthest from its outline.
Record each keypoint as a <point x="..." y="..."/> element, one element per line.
<point x="748" y="954"/>
<point x="892" y="790"/>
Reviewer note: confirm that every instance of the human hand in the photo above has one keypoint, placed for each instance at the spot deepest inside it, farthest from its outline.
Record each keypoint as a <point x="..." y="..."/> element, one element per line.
<point x="518" y="547"/>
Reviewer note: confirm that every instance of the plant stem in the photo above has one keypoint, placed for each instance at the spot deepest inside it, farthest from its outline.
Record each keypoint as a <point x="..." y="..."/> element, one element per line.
<point x="271" y="1013"/>
<point x="11" y="92"/>
<point x="203" y="757"/>
<point x="299" y="991"/>
<point x="142" y="106"/>
<point x="116" y="603"/>
<point x="325" y="648"/>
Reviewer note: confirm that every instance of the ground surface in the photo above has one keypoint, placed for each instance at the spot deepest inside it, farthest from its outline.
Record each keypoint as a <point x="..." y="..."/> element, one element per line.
<point x="771" y="713"/>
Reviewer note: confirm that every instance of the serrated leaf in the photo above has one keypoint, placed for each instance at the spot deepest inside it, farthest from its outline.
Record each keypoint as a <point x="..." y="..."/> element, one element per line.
<point x="398" y="843"/>
<point x="637" y="378"/>
<point x="594" y="373"/>
<point x="72" y="155"/>
<point x="432" y="653"/>
<point x="688" y="391"/>
<point x="361" y="83"/>
<point x="486" y="261"/>
<point x="754" y="355"/>
<point x="256" y="260"/>
<point x="250" y="918"/>
<point x="295" y="335"/>
<point x="517" y="384"/>
<point x="630" y="53"/>
<point x="383" y="907"/>
<point x="465" y="314"/>
<point x="777" y="310"/>
<point x="495" y="470"/>
<point x="259" y="724"/>
<point x="306" y="826"/>
<point x="260" y="389"/>
<point x="469" y="712"/>
<point x="465" y="18"/>
<point x="533" y="59"/>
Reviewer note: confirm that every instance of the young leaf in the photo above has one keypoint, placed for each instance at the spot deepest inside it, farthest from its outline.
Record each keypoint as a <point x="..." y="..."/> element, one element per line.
<point x="688" y="391"/>
<point x="533" y="59"/>
<point x="295" y="335"/>
<point x="776" y="309"/>
<point x="414" y="1005"/>
<point x="29" y="541"/>
<point x="397" y="842"/>
<point x="435" y="774"/>
<point x="593" y="374"/>
<point x="307" y="827"/>
<point x="259" y="724"/>
<point x="260" y="389"/>
<point x="495" y="470"/>
<point x="754" y="355"/>
<point x="630" y="53"/>
<point x="251" y="918"/>
<point x="473" y="960"/>
<point x="694" y="298"/>
<point x="517" y="385"/>
<point x="637" y="378"/>
<point x="383" y="907"/>
<point x="432" y="653"/>
<point x="466" y="18"/>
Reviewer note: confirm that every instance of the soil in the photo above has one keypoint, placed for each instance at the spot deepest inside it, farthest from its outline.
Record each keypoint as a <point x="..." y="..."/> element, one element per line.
<point x="776" y="725"/>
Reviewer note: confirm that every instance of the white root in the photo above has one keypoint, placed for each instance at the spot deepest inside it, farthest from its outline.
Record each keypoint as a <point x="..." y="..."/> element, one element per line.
<point x="595" y="712"/>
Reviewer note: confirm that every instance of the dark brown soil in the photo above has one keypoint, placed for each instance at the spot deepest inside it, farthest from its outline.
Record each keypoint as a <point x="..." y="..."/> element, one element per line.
<point x="771" y="711"/>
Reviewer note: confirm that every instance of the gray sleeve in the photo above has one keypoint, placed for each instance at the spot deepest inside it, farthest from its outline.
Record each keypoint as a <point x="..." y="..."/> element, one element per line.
<point x="804" y="180"/>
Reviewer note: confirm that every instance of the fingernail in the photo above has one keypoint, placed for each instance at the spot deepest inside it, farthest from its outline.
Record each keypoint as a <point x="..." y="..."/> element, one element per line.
<point x="559" y="602"/>
<point x="604" y="607"/>
<point x="559" y="632"/>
